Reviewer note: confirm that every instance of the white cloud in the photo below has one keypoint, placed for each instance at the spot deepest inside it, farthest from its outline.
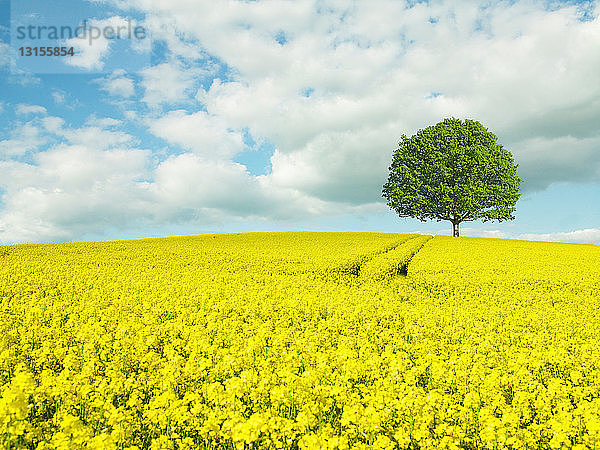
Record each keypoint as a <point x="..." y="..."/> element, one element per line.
<point x="25" y="137"/>
<point x="564" y="158"/>
<point x="96" y="137"/>
<point x="43" y="132"/>
<point x="188" y="185"/>
<point x="118" y="84"/>
<point x="94" y="179"/>
<point x="92" y="47"/>
<point x="204" y="134"/>
<point x="53" y="124"/>
<point x="353" y="173"/>
<point x="585" y="236"/>
<point x="71" y="190"/>
<point x="59" y="97"/>
<point x="167" y="83"/>
<point x="24" y="110"/>
<point x="104" y="122"/>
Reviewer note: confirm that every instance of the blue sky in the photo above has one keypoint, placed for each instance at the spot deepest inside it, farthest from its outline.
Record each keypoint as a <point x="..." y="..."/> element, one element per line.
<point x="283" y="115"/>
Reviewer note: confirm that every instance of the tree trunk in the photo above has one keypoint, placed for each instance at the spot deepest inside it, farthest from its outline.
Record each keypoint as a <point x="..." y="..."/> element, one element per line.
<point x="455" y="232"/>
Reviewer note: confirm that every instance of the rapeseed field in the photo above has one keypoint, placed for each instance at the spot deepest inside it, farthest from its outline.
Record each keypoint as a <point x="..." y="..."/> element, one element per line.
<point x="300" y="340"/>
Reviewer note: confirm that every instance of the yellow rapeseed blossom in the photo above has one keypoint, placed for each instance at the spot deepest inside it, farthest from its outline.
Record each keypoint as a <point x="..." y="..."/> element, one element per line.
<point x="300" y="340"/>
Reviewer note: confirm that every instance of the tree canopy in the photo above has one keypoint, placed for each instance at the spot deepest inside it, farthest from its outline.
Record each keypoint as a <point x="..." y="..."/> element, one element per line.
<point x="454" y="170"/>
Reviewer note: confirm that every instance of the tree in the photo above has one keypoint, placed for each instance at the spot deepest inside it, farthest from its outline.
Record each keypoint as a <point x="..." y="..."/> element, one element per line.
<point x="455" y="171"/>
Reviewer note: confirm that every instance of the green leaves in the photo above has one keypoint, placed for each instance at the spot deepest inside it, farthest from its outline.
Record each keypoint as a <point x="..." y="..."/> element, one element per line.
<point x="454" y="170"/>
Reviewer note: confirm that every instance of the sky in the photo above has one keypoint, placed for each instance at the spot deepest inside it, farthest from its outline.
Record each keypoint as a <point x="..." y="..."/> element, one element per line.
<point x="275" y="115"/>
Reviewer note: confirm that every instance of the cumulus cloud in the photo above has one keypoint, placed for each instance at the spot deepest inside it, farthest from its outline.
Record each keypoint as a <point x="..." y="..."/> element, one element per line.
<point x="167" y="83"/>
<point x="118" y="84"/>
<point x="190" y="185"/>
<point x="70" y="190"/>
<point x="353" y="173"/>
<point x="53" y="124"/>
<point x="74" y="189"/>
<point x="25" y="137"/>
<point x="200" y="132"/>
<point x="96" y="137"/>
<point x="566" y="158"/>
<point x="92" y="178"/>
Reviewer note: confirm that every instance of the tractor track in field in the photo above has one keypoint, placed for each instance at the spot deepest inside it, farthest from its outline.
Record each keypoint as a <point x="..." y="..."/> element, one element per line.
<point x="384" y="264"/>
<point x="394" y="261"/>
<point x="404" y="267"/>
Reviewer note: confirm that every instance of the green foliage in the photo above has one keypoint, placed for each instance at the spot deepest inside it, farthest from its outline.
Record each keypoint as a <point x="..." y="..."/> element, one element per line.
<point x="454" y="171"/>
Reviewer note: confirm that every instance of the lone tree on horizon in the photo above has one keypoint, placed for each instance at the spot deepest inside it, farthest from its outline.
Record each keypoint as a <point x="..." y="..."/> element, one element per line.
<point x="454" y="170"/>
